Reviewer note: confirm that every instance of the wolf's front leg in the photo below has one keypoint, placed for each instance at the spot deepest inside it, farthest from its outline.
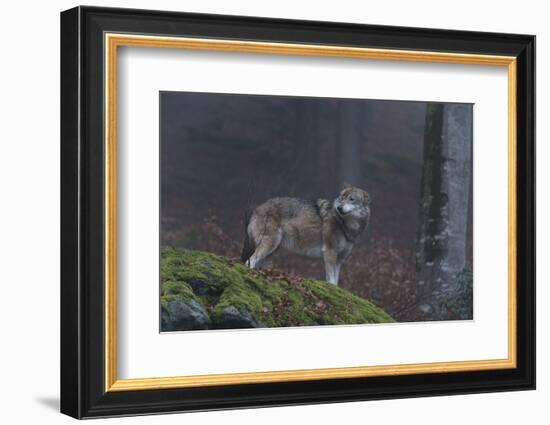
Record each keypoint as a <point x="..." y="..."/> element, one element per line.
<point x="332" y="268"/>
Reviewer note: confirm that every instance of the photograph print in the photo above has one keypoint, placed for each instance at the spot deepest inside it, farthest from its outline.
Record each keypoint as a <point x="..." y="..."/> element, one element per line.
<point x="286" y="211"/>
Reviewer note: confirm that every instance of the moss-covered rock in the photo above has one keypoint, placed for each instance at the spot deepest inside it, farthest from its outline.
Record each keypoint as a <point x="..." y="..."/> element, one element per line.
<point x="233" y="296"/>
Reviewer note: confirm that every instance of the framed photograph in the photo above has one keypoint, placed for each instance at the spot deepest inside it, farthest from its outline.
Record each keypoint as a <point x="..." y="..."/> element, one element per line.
<point x="261" y="212"/>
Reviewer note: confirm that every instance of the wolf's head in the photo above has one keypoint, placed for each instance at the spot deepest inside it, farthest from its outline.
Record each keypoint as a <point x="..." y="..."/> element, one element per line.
<point x="353" y="202"/>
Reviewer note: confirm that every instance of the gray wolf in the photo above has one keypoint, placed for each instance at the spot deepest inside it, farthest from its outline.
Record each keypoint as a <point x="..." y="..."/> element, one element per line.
<point x="319" y="229"/>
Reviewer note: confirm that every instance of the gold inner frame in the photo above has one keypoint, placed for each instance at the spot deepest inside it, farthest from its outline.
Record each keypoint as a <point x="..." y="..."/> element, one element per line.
<point x="113" y="41"/>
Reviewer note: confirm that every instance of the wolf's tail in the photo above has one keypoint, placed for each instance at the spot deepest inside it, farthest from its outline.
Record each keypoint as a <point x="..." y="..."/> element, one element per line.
<point x="248" y="245"/>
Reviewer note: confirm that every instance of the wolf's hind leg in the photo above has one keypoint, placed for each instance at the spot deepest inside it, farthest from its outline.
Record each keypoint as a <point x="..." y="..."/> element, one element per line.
<point x="266" y="246"/>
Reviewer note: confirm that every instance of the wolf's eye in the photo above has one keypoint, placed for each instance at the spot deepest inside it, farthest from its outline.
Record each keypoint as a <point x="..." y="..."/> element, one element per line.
<point x="351" y="198"/>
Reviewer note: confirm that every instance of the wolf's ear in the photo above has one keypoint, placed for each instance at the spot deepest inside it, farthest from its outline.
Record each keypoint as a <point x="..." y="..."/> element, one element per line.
<point x="346" y="185"/>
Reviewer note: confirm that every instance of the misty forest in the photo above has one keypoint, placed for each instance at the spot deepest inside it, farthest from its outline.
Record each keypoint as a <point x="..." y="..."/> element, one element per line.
<point x="223" y="154"/>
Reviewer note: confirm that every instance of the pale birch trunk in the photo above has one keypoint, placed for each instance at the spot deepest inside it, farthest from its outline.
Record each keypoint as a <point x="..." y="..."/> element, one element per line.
<point x="442" y="235"/>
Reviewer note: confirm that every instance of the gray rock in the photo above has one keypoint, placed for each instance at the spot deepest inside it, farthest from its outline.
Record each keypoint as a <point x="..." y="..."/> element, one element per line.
<point x="184" y="316"/>
<point x="232" y="318"/>
<point x="200" y="287"/>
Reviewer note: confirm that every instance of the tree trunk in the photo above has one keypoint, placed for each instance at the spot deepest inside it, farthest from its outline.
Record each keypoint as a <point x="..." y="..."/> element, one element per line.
<point x="303" y="164"/>
<point x="441" y="254"/>
<point x="352" y="122"/>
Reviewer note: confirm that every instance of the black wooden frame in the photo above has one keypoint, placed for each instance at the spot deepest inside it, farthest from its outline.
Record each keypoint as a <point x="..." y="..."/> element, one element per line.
<point x="82" y="218"/>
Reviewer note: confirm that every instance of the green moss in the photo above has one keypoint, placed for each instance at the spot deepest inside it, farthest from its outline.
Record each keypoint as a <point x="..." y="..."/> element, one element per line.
<point x="240" y="296"/>
<point x="217" y="283"/>
<point x="172" y="291"/>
